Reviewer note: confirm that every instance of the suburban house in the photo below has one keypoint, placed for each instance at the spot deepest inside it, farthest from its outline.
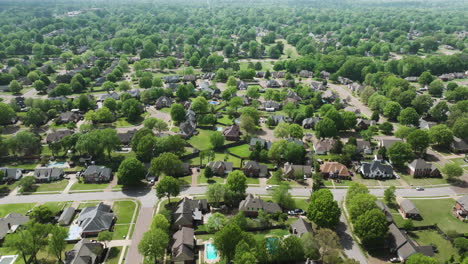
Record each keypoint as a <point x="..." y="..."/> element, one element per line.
<point x="48" y="174"/>
<point x="309" y="123"/>
<point x="328" y="96"/>
<point x="317" y="86"/>
<point x="112" y="95"/>
<point x="364" y="147"/>
<point x="97" y="174"/>
<point x="460" y="209"/>
<point x="325" y="75"/>
<point x="57" y="135"/>
<point x="232" y="133"/>
<point x="352" y="109"/>
<point x="408" y="209"/>
<point x="245" y="100"/>
<point x="423" y="124"/>
<point x="135" y="93"/>
<point x="293" y="95"/>
<point x="376" y="170"/>
<point x="241" y="85"/>
<point x="66" y="216"/>
<point x="278" y="75"/>
<point x="344" y="80"/>
<point x="276" y="119"/>
<point x="266" y="144"/>
<point x="271" y="84"/>
<point x="220" y="168"/>
<point x="183" y="246"/>
<point x="306" y="74"/>
<point x="459" y="145"/>
<point x="163" y="102"/>
<point x="10" y="223"/>
<point x="421" y="168"/>
<point x="404" y="246"/>
<point x="364" y="124"/>
<point x="323" y="146"/>
<point x="208" y="76"/>
<point x="291" y="171"/>
<point x="189" y="78"/>
<point x="270" y="106"/>
<point x="387" y="143"/>
<point x="259" y="74"/>
<point x="187" y="129"/>
<point x="356" y="87"/>
<point x="85" y="252"/>
<point x="252" y="205"/>
<point x="254" y="169"/>
<point x="68" y="117"/>
<point x="385" y="209"/>
<point x="95" y="219"/>
<point x="11" y="174"/>
<point x="189" y="212"/>
<point x="171" y="79"/>
<point x="300" y="227"/>
<point x="334" y="170"/>
<point x="126" y="137"/>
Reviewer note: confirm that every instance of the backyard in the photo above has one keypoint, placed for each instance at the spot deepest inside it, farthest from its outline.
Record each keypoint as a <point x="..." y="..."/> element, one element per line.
<point x="444" y="249"/>
<point x="20" y="208"/>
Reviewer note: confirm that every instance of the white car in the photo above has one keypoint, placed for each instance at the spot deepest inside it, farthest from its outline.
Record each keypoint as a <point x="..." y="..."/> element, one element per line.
<point x="269" y="187"/>
<point x="419" y="189"/>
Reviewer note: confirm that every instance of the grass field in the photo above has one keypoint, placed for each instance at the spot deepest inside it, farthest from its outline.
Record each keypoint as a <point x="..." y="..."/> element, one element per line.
<point x="301" y="204"/>
<point x="20" y="208"/>
<point x="124" y="211"/>
<point x="57" y="186"/>
<point x="114" y="255"/>
<point x="57" y="206"/>
<point x="430" y="237"/>
<point x="88" y="186"/>
<point x="422" y="181"/>
<point x="87" y="204"/>
<point x="120" y="231"/>
<point x="242" y="150"/>
<point x="214" y="179"/>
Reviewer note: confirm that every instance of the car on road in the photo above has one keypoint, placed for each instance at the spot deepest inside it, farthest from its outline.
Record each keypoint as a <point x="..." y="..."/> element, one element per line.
<point x="269" y="187"/>
<point x="419" y="189"/>
<point x="296" y="212"/>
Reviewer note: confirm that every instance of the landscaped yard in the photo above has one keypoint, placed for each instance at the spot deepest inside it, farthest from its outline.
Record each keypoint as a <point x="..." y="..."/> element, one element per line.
<point x="120" y="231"/>
<point x="242" y="150"/>
<point x="422" y="181"/>
<point x="88" y="186"/>
<point x="225" y="120"/>
<point x="21" y="208"/>
<point x="301" y="204"/>
<point x="124" y="211"/>
<point x="219" y="156"/>
<point x="114" y="255"/>
<point x="431" y="237"/>
<point x="87" y="204"/>
<point x="203" y="179"/>
<point x="57" y="206"/>
<point x="202" y="140"/>
<point x="56" y="186"/>
<point x="251" y="180"/>
<point x="461" y="162"/>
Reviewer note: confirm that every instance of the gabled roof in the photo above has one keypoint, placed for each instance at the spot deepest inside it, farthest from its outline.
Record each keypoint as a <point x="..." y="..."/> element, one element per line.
<point x="96" y="218"/>
<point x="255" y="204"/>
<point x="113" y="95"/>
<point x="10" y="173"/>
<point x="300" y="227"/>
<point x="334" y="168"/>
<point x="310" y="121"/>
<point x="459" y="144"/>
<point x="98" y="172"/>
<point x="363" y="145"/>
<point x="11" y="222"/>
<point x="84" y="252"/>
<point x="127" y="136"/>
<point x="291" y="168"/>
<point x="420" y="164"/>
<point x="376" y="165"/>
<point x="231" y="131"/>
<point x="271" y="104"/>
<point x="217" y="165"/>
<point x="57" y="135"/>
<point x="46" y="173"/>
<point x="463" y="201"/>
<point x="324" y="145"/>
<point x="262" y="141"/>
<point x="408" y="207"/>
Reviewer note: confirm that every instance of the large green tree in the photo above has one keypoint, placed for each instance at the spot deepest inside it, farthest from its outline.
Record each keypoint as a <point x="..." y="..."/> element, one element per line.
<point x="323" y="210"/>
<point x="131" y="171"/>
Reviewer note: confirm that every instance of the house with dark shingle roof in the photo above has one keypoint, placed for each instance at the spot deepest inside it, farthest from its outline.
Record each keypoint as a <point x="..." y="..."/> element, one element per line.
<point x="68" y="117"/>
<point x="276" y="119"/>
<point x="306" y="74"/>
<point x="270" y="106"/>
<point x="232" y="133"/>
<point x="408" y="209"/>
<point x="421" y="168"/>
<point x="48" y="174"/>
<point x="220" y="168"/>
<point x="266" y="144"/>
<point x="85" y="252"/>
<point x="291" y="170"/>
<point x="95" y="219"/>
<point x="254" y="169"/>
<point x="241" y="85"/>
<point x="126" y="137"/>
<point x="387" y="143"/>
<point x="10" y="223"/>
<point x="112" y="95"/>
<point x="171" y="79"/>
<point x="459" y="145"/>
<point x="317" y="86"/>
<point x="252" y="205"/>
<point x="57" y="135"/>
<point x="403" y="246"/>
<point x="309" y="123"/>
<point x="364" y="124"/>
<point x="385" y="209"/>
<point x="163" y="102"/>
<point x="183" y="246"/>
<point x="364" y="146"/>
<point x="187" y="129"/>
<point x="97" y="174"/>
<point x="461" y="208"/>
<point x="300" y="227"/>
<point x="324" y="145"/>
<point x="66" y="216"/>
<point x="189" y="212"/>
<point x="376" y="170"/>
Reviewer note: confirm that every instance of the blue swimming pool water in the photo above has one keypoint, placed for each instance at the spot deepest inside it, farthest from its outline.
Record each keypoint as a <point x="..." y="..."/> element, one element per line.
<point x="57" y="164"/>
<point x="219" y="129"/>
<point x="213" y="102"/>
<point x="272" y="244"/>
<point x="210" y="252"/>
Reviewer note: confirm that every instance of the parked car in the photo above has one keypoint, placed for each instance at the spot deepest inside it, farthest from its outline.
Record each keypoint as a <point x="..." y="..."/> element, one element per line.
<point x="296" y="212"/>
<point x="269" y="187"/>
<point x="419" y="189"/>
<point x="395" y="260"/>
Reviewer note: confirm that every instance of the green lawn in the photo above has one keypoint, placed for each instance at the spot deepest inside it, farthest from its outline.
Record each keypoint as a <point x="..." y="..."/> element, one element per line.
<point x="120" y="231"/>
<point x="114" y="255"/>
<point x="225" y="120"/>
<point x="26" y="165"/>
<point x="21" y="208"/>
<point x="444" y="247"/>
<point x="166" y="110"/>
<point x="422" y="181"/>
<point x="301" y="204"/>
<point x="253" y="180"/>
<point x="86" y="204"/>
<point x="236" y="162"/>
<point x="57" y="206"/>
<point x="124" y="211"/>
<point x="202" y="140"/>
<point x="439" y="212"/>
<point x="241" y="151"/>
<point x="56" y="186"/>
<point x="461" y="162"/>
<point x="88" y="186"/>
<point x="272" y="232"/>
<point x="7" y="188"/>
<point x="214" y="179"/>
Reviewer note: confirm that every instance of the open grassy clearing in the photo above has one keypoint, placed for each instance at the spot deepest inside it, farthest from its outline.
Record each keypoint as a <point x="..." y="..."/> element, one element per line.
<point x="56" y="186"/>
<point x="20" y="208"/>
<point x="430" y="237"/>
<point x="124" y="211"/>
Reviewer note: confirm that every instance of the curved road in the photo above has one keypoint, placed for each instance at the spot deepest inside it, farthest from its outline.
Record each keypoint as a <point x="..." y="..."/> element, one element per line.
<point x="148" y="199"/>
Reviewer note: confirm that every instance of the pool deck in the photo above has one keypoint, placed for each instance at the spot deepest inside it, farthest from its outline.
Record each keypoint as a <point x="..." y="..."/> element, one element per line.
<point x="206" y="260"/>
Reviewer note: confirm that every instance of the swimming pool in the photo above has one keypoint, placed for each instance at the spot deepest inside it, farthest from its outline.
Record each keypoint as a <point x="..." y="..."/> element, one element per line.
<point x="272" y="244"/>
<point x="57" y="164"/>
<point x="219" y="129"/>
<point x="211" y="253"/>
<point x="213" y="102"/>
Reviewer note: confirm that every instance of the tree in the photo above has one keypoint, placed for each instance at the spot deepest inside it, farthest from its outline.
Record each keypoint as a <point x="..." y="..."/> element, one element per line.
<point x="328" y="244"/>
<point x="354" y="189"/>
<point x="41" y="214"/>
<point x="325" y="128"/>
<point x="460" y="128"/>
<point x="248" y="124"/>
<point x="226" y="240"/>
<point x="282" y="197"/>
<point x="183" y="92"/>
<point x="168" y="186"/>
<point x="419" y="258"/>
<point x="26" y="183"/>
<point x="216" y="222"/>
<point x="441" y="135"/>
<point x="236" y="182"/>
<point x="425" y="78"/>
<point x="215" y="193"/>
<point x="155" y="123"/>
<point x="57" y="243"/>
<point x="436" y="88"/>
<point x="371" y="227"/>
<point x="167" y="163"/>
<point x="392" y="110"/>
<point x="311" y="250"/>
<point x="403" y="131"/>
<point x="124" y="86"/>
<point x="349" y="120"/>
<point x="281" y="130"/>
<point x="323" y="210"/>
<point x="15" y="87"/>
<point x="177" y="113"/>
<point x="200" y="105"/>
<point x="110" y="140"/>
<point x="389" y="195"/>
<point x="422" y="103"/>
<point x="399" y="153"/>
<point x="132" y="109"/>
<point x="145" y="82"/>
<point x="296" y="131"/>
<point x="439" y="111"/>
<point x="452" y="170"/>
<point x="409" y="116"/>
<point x="7" y="114"/>
<point x="362" y="202"/>
<point x="253" y="92"/>
<point x="419" y="141"/>
<point x="28" y="241"/>
<point x="386" y="128"/>
<point x="153" y="245"/>
<point x="35" y="117"/>
<point x="160" y="222"/>
<point x="105" y="236"/>
<point x="291" y="249"/>
<point x="217" y="140"/>
<point x="131" y="171"/>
